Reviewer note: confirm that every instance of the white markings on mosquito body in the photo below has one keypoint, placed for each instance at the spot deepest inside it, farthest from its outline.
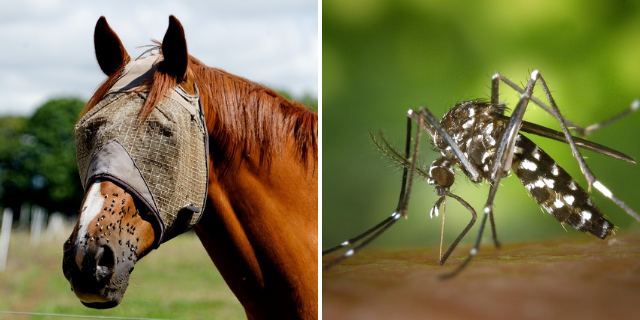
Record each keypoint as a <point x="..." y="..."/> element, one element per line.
<point x="488" y="129"/>
<point x="573" y="185"/>
<point x="603" y="189"/>
<point x="469" y="123"/>
<point x="586" y="215"/>
<point x="528" y="165"/>
<point x="548" y="182"/>
<point x="558" y="203"/>
<point x="486" y="155"/>
<point x="605" y="227"/>
<point x="434" y="211"/>
<point x="396" y="215"/>
<point x="554" y="170"/>
<point x="344" y="244"/>
<point x="349" y="253"/>
<point x="569" y="199"/>
<point x="536" y="153"/>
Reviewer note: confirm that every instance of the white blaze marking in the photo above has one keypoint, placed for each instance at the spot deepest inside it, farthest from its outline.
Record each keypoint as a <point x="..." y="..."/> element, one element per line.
<point x="517" y="150"/>
<point x="554" y="170"/>
<point x="349" y="253"/>
<point x="586" y="215"/>
<point x="603" y="189"/>
<point x="472" y="112"/>
<point x="548" y="182"/>
<point x="539" y="184"/>
<point x="528" y="165"/>
<point x="92" y="205"/>
<point x="346" y="243"/>
<point x="569" y="199"/>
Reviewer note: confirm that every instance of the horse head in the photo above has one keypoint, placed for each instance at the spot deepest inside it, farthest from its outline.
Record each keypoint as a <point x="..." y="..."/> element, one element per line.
<point x="143" y="183"/>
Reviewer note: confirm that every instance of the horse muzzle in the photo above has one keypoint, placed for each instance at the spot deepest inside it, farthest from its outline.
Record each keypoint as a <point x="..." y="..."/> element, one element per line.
<point x="97" y="277"/>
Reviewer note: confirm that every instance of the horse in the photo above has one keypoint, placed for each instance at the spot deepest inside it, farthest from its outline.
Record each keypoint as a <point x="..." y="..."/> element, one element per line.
<point x="259" y="222"/>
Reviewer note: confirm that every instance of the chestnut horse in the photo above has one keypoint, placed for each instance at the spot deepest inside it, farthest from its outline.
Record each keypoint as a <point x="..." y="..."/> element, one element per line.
<point x="261" y="218"/>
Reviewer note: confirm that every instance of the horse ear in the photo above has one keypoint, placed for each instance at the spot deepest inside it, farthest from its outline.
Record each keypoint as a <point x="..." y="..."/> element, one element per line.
<point x="110" y="52"/>
<point x="174" y="50"/>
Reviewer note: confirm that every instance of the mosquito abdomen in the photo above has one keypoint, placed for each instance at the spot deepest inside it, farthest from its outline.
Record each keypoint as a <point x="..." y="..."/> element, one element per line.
<point x="556" y="191"/>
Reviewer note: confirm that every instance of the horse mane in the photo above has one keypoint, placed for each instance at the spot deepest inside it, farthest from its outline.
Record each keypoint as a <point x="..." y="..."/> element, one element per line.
<point x="242" y="116"/>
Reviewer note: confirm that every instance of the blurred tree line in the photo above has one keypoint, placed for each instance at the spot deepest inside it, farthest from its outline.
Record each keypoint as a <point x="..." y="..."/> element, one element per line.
<point x="37" y="158"/>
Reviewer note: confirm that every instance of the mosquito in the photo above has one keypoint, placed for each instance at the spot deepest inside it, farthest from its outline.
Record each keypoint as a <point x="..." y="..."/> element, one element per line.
<point x="485" y="144"/>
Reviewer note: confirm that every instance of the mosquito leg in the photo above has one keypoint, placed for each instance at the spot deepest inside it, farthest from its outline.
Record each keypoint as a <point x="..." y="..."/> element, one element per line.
<point x="582" y="131"/>
<point x="495" y="97"/>
<point x="487" y="211"/>
<point x="361" y="236"/>
<point x="384" y="226"/>
<point x="495" y="87"/>
<point x="504" y="157"/>
<point x="407" y="181"/>
<point x="632" y="108"/>
<point x="591" y="179"/>
<point x="493" y="230"/>
<point x="504" y="154"/>
<point x="444" y="215"/>
<point x="464" y="232"/>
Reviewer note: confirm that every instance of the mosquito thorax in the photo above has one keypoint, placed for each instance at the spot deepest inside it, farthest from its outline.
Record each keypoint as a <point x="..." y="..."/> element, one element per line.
<point x="474" y="127"/>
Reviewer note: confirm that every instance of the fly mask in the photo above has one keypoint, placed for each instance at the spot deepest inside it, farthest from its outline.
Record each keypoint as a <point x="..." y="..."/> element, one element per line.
<point x="162" y="160"/>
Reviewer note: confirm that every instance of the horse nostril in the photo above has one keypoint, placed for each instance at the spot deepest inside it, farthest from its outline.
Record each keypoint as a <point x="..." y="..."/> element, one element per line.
<point x="105" y="263"/>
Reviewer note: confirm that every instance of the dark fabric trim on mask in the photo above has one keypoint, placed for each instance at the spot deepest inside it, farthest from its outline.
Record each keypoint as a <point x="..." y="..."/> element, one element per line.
<point x="113" y="162"/>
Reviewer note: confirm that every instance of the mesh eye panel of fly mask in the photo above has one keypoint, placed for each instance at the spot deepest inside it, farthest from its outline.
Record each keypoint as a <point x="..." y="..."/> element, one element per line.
<point x="162" y="161"/>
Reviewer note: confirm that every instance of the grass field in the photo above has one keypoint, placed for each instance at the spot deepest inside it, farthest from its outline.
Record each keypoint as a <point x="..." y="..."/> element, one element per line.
<point x="177" y="281"/>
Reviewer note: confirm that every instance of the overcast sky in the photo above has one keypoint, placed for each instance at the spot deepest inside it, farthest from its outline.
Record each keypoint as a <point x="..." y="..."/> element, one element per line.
<point x="46" y="46"/>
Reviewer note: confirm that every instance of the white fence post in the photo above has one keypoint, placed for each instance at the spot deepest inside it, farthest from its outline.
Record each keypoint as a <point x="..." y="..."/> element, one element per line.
<point x="5" y="235"/>
<point x="55" y="228"/>
<point x="37" y="220"/>
<point x="25" y="214"/>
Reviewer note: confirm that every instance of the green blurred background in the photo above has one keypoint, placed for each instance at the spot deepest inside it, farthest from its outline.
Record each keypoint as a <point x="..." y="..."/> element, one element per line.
<point x="381" y="58"/>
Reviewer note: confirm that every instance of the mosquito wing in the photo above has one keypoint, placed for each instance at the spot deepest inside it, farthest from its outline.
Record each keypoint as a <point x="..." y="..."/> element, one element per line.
<point x="559" y="136"/>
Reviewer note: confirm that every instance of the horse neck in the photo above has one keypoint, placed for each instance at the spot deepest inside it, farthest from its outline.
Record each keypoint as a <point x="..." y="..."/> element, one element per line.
<point x="261" y="220"/>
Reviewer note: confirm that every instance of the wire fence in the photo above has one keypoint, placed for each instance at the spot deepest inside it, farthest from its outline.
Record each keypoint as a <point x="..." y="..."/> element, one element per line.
<point x="71" y="315"/>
